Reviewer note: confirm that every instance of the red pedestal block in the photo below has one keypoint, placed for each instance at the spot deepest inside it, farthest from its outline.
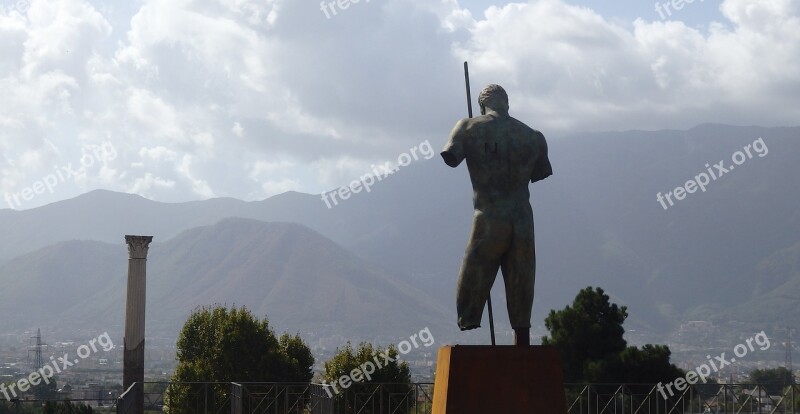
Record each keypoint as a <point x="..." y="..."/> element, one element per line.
<point x="499" y="379"/>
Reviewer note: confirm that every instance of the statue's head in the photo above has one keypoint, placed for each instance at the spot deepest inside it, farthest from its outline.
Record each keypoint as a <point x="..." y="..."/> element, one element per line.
<point x="494" y="97"/>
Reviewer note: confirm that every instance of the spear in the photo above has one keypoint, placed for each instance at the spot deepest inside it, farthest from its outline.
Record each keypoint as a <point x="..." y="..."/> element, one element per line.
<point x="469" y="111"/>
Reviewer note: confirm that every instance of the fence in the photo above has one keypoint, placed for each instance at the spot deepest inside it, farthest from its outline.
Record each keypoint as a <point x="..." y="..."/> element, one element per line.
<point x="285" y="398"/>
<point x="698" y="398"/>
<point x="280" y="398"/>
<point x="76" y="406"/>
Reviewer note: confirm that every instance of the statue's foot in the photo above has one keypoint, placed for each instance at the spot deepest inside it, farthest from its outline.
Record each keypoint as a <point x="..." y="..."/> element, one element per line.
<point x="522" y="337"/>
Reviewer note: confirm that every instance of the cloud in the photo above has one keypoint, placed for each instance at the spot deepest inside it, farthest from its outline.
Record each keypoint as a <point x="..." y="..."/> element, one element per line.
<point x="244" y="98"/>
<point x="574" y="70"/>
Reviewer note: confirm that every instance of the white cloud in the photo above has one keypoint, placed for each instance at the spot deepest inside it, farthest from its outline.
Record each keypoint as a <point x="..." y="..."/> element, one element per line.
<point x="576" y="70"/>
<point x="237" y="129"/>
<point x="263" y="168"/>
<point x="158" y="153"/>
<point x="199" y="186"/>
<point x="148" y="183"/>
<point x="275" y="187"/>
<point x="245" y="98"/>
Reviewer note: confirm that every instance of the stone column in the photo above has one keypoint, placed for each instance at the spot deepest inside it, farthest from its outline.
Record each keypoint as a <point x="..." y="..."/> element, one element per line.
<point x="133" y="359"/>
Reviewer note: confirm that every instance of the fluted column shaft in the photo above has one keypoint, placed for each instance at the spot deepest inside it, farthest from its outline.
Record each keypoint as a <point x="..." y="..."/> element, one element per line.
<point x="133" y="358"/>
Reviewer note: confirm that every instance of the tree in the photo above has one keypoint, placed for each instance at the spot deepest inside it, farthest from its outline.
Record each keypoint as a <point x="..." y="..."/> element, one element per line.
<point x="224" y="345"/>
<point x="648" y="365"/>
<point x="66" y="407"/>
<point x="300" y="358"/>
<point x="361" y="369"/>
<point x="590" y="336"/>
<point x="46" y="391"/>
<point x="589" y="330"/>
<point x="773" y="380"/>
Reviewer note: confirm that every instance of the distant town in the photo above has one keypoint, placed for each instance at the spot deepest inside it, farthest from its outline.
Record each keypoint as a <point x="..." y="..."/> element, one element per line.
<point x="97" y="379"/>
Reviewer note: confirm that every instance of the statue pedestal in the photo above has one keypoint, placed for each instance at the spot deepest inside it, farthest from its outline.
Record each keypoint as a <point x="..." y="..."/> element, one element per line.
<point x="499" y="379"/>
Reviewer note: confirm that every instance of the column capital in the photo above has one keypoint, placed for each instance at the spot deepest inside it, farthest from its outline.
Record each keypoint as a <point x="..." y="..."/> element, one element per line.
<point x="138" y="246"/>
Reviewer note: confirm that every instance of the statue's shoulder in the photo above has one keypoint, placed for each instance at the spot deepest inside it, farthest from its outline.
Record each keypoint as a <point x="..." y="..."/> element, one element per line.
<point x="466" y="124"/>
<point x="531" y="132"/>
<point x="537" y="135"/>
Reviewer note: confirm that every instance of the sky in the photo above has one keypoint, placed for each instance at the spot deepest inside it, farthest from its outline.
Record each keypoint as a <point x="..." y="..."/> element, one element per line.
<point x="180" y="100"/>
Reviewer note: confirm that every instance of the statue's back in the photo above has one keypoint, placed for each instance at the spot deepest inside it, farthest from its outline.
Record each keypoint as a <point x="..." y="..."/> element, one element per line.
<point x="502" y="155"/>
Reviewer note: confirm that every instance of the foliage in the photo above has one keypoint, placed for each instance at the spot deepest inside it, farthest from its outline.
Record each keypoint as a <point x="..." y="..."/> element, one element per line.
<point x="353" y="363"/>
<point x="648" y="365"/>
<point x="7" y="407"/>
<point x="589" y="335"/>
<point x="224" y="345"/>
<point x="46" y="392"/>
<point x="773" y="380"/>
<point x="49" y="407"/>
<point x="66" y="407"/>
<point x="588" y="330"/>
<point x="300" y="357"/>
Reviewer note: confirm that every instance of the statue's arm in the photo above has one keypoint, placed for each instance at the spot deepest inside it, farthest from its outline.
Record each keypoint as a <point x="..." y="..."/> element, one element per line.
<point x="453" y="152"/>
<point x="542" y="169"/>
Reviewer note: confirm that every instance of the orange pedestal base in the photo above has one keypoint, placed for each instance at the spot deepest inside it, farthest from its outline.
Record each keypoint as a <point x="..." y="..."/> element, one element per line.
<point x="499" y="379"/>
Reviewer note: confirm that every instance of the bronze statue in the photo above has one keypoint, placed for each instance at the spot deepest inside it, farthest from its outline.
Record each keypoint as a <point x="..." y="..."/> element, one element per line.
<point x="503" y="155"/>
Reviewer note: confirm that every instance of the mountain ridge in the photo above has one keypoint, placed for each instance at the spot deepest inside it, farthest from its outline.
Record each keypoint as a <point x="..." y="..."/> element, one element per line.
<point x="597" y="220"/>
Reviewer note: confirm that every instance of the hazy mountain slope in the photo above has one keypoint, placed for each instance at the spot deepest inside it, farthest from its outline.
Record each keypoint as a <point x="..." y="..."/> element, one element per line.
<point x="293" y="275"/>
<point x="597" y="222"/>
<point x="106" y="216"/>
<point x="705" y="249"/>
<point x="776" y="289"/>
<point x="45" y="287"/>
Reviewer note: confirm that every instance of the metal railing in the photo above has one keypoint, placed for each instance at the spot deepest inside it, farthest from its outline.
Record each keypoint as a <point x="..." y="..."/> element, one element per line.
<point x="78" y="406"/>
<point x="698" y="398"/>
<point x="280" y="398"/>
<point x="289" y="398"/>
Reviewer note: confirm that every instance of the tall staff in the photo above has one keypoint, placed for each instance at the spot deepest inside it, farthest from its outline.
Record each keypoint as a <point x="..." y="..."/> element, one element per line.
<point x="469" y="111"/>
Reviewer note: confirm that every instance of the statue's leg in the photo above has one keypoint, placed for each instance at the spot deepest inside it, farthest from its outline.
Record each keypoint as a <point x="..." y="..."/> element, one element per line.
<point x="519" y="273"/>
<point x="488" y="241"/>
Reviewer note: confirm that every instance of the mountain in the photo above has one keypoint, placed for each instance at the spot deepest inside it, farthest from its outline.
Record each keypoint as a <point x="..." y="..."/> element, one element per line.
<point x="776" y="291"/>
<point x="106" y="216"/>
<point x="598" y="222"/>
<point x="717" y="255"/>
<point x="297" y="278"/>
